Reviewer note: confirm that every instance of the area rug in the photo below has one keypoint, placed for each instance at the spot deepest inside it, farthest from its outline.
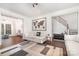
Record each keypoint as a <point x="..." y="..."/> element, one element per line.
<point x="45" y="50"/>
<point x="24" y="43"/>
<point x="34" y="49"/>
<point x="20" y="53"/>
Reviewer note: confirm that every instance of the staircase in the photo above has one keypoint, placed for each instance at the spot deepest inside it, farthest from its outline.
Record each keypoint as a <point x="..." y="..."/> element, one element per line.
<point x="64" y="22"/>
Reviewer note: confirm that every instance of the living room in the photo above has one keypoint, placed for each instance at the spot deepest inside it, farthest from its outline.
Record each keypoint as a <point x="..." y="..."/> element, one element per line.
<point x="36" y="29"/>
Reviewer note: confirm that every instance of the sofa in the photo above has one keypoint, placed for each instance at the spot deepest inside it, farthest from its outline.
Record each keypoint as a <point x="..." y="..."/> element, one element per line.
<point x="36" y="38"/>
<point x="72" y="45"/>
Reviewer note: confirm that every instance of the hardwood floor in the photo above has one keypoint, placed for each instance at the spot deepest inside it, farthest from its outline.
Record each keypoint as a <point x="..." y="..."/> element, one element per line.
<point x="10" y="42"/>
<point x="62" y="45"/>
<point x="57" y="44"/>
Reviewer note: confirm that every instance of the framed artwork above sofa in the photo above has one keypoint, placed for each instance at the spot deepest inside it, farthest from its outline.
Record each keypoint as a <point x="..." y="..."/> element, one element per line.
<point x="39" y="24"/>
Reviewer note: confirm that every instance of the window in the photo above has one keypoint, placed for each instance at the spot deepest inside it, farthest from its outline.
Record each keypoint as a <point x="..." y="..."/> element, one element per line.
<point x="8" y="28"/>
<point x="5" y="29"/>
<point x="2" y="29"/>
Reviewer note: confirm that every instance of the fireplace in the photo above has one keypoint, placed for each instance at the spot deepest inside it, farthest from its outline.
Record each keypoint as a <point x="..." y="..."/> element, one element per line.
<point x="38" y="33"/>
<point x="58" y="36"/>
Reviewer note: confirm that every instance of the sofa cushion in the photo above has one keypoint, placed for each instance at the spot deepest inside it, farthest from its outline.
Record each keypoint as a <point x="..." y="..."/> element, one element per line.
<point x="72" y="48"/>
<point x="77" y="39"/>
<point x="70" y="37"/>
<point x="72" y="44"/>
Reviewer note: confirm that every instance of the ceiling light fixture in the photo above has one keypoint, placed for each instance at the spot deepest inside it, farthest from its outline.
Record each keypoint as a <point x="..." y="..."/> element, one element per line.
<point x="34" y="4"/>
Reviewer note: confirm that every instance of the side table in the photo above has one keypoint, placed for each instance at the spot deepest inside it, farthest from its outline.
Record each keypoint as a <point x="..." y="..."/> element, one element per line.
<point x="49" y="39"/>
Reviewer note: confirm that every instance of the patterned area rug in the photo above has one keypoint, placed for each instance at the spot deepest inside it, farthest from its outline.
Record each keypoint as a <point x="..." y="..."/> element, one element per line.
<point x="24" y="43"/>
<point x="41" y="50"/>
<point x="34" y="49"/>
<point x="45" y="50"/>
<point x="20" y="53"/>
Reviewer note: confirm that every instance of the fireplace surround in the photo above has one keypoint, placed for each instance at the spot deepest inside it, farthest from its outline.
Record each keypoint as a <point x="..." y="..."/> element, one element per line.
<point x="38" y="33"/>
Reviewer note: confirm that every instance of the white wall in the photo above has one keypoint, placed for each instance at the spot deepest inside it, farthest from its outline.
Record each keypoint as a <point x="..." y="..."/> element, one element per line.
<point x="27" y="26"/>
<point x="10" y="18"/>
<point x="54" y="14"/>
<point x="16" y="24"/>
<point x="48" y="25"/>
<point x="71" y="20"/>
<point x="28" y="21"/>
<point x="58" y="28"/>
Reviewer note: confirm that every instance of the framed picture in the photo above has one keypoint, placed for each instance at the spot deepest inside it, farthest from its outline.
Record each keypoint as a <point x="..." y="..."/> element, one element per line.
<point x="39" y="24"/>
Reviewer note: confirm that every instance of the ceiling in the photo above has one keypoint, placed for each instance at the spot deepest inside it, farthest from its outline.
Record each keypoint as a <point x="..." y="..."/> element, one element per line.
<point x="28" y="10"/>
